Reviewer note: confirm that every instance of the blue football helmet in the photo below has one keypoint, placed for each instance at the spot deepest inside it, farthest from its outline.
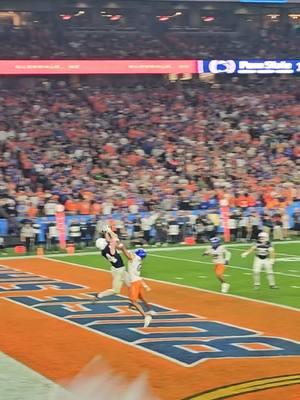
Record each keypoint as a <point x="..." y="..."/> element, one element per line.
<point x="215" y="242"/>
<point x="141" y="253"/>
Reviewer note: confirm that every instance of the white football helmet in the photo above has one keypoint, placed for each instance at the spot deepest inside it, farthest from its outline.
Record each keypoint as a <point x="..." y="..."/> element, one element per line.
<point x="263" y="236"/>
<point x="101" y="243"/>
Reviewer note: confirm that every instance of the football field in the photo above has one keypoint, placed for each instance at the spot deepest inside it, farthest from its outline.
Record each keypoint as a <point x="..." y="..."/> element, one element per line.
<point x="188" y="266"/>
<point x="201" y="344"/>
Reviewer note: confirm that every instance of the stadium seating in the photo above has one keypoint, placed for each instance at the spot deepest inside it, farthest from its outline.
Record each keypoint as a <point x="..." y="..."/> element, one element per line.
<point x="40" y="42"/>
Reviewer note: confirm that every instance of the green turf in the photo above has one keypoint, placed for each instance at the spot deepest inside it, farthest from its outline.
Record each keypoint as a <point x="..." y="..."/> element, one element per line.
<point x="188" y="267"/>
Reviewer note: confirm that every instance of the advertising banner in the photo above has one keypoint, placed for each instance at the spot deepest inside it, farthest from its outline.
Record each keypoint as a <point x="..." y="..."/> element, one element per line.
<point x="224" y="208"/>
<point x="53" y="67"/>
<point x="249" y="66"/>
<point x="61" y="226"/>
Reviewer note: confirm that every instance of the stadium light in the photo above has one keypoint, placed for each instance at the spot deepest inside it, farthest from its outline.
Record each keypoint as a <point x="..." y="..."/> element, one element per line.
<point x="81" y="12"/>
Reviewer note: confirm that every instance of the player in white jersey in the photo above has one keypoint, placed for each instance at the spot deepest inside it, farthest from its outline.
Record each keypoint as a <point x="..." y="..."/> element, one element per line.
<point x="264" y="259"/>
<point x="136" y="282"/>
<point x="221" y="257"/>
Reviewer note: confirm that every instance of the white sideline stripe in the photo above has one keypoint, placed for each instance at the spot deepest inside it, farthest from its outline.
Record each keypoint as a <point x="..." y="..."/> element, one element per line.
<point x="281" y="254"/>
<point x="209" y="262"/>
<point x="17" y="381"/>
<point x="149" y="249"/>
<point x="186" y="286"/>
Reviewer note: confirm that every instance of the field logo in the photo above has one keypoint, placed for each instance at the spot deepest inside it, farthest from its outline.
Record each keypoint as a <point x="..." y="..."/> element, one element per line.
<point x="186" y="339"/>
<point x="12" y="279"/>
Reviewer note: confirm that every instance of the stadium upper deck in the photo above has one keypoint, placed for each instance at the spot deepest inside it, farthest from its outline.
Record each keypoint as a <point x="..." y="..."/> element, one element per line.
<point x="131" y="29"/>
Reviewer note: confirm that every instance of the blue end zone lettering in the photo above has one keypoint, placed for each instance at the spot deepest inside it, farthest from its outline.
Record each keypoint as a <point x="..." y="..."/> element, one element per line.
<point x="35" y="301"/>
<point x="166" y="337"/>
<point x="48" y="284"/>
<point x="13" y="280"/>
<point x="202" y="329"/>
<point x="222" y="348"/>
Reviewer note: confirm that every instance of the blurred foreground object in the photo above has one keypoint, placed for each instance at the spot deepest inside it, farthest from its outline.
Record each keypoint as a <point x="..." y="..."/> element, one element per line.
<point x="97" y="381"/>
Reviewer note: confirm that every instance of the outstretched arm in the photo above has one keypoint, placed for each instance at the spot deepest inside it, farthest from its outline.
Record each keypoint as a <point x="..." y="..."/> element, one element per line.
<point x="112" y="239"/>
<point x="206" y="252"/>
<point x="246" y="253"/>
<point x="125" y="251"/>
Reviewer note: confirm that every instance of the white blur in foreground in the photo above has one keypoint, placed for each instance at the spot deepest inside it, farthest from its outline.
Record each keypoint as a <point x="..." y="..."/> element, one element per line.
<point x="97" y="381"/>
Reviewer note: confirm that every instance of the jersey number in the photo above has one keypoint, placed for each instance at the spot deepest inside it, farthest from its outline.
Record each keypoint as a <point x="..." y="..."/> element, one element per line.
<point x="111" y="258"/>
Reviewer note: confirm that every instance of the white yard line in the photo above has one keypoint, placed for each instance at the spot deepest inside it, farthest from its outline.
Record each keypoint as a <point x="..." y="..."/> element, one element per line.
<point x="209" y="262"/>
<point x="277" y="253"/>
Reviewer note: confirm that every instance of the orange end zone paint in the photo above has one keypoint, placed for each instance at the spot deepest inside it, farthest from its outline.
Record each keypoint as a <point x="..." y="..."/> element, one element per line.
<point x="59" y="349"/>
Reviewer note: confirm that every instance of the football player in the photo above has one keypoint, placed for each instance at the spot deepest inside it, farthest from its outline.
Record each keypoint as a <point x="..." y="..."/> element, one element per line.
<point x="109" y="249"/>
<point x="137" y="284"/>
<point x="264" y="259"/>
<point x="220" y="256"/>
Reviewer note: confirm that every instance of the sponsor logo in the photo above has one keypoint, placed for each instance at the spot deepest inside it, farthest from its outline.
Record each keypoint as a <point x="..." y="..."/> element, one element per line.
<point x="227" y="66"/>
<point x="250" y="66"/>
<point x="247" y="387"/>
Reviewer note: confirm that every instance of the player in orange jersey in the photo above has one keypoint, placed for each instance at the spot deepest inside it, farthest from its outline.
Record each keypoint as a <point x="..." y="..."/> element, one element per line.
<point x="221" y="257"/>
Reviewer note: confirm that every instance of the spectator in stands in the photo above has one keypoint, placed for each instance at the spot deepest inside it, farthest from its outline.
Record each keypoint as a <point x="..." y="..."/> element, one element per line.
<point x="27" y="236"/>
<point x="200" y="230"/>
<point x="161" y="230"/>
<point x="277" y="227"/>
<point x="254" y="225"/>
<point x="2" y="245"/>
<point x="285" y="224"/>
<point x="243" y="226"/>
<point x="137" y="234"/>
<point x="233" y="225"/>
<point x="51" y="234"/>
<point x="75" y="232"/>
<point x="296" y="221"/>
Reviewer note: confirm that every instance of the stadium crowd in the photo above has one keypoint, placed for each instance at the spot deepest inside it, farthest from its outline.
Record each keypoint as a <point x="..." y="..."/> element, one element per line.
<point x="158" y="148"/>
<point x="160" y="228"/>
<point x="42" y="42"/>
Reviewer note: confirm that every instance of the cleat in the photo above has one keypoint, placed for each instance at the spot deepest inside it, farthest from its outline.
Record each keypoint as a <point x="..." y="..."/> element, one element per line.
<point x="225" y="287"/>
<point x="147" y="320"/>
<point x="256" y="287"/>
<point x="274" y="287"/>
<point x="132" y="308"/>
<point x="96" y="298"/>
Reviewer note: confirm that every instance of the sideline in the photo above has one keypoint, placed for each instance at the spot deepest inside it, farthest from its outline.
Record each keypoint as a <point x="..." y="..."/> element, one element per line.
<point x="149" y="249"/>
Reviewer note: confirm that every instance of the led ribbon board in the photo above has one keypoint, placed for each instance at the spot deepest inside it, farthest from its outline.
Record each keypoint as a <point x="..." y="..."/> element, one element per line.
<point x="249" y="66"/>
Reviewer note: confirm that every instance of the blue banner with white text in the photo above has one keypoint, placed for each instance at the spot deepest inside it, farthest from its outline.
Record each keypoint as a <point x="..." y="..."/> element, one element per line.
<point x="249" y="66"/>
